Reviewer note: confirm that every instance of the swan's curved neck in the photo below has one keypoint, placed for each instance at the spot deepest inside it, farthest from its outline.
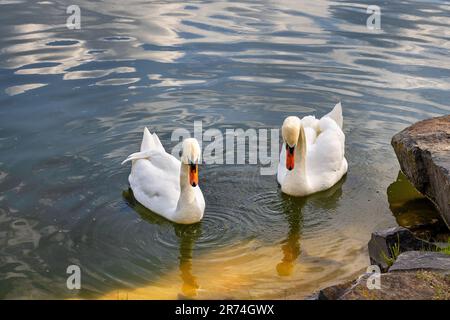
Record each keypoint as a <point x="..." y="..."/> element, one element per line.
<point x="296" y="181"/>
<point x="300" y="153"/>
<point x="185" y="186"/>
<point x="187" y="194"/>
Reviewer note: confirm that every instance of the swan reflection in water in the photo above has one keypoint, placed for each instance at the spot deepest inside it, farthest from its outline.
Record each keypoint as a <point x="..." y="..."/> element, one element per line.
<point x="292" y="208"/>
<point x="187" y="236"/>
<point x="293" y="211"/>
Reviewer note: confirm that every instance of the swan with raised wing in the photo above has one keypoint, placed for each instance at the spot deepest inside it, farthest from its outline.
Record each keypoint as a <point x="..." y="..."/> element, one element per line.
<point x="312" y="156"/>
<point x="165" y="185"/>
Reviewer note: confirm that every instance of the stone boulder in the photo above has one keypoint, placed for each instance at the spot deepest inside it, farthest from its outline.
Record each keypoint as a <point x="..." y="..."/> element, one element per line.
<point x="420" y="260"/>
<point x="383" y="243"/>
<point x="423" y="151"/>
<point x="419" y="272"/>
<point x="407" y="285"/>
<point x="415" y="275"/>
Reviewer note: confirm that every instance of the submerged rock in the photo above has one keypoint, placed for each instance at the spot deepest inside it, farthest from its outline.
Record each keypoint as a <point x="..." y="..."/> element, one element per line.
<point x="423" y="151"/>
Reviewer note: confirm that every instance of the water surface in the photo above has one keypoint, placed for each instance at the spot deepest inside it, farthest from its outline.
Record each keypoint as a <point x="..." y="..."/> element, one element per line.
<point x="73" y="104"/>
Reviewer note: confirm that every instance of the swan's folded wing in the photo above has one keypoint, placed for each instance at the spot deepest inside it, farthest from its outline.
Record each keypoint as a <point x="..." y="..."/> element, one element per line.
<point x="327" y="153"/>
<point x="336" y="115"/>
<point x="165" y="162"/>
<point x="156" y="182"/>
<point x="137" y="156"/>
<point x="160" y="160"/>
<point x="310" y="121"/>
<point x="312" y="130"/>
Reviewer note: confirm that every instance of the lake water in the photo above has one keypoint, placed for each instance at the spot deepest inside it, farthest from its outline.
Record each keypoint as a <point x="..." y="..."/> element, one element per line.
<point x="73" y="104"/>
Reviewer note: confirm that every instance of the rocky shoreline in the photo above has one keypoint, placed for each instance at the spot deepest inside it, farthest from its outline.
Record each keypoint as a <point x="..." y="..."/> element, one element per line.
<point x="423" y="151"/>
<point x="418" y="271"/>
<point x="404" y="266"/>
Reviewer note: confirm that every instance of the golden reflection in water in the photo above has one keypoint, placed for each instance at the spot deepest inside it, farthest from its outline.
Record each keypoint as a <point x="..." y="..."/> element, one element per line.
<point x="291" y="251"/>
<point x="189" y="286"/>
<point x="250" y="269"/>
<point x="187" y="236"/>
<point x="290" y="247"/>
<point x="293" y="210"/>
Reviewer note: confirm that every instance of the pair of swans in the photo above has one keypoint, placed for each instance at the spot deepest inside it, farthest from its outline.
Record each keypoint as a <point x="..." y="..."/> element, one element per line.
<point x="311" y="160"/>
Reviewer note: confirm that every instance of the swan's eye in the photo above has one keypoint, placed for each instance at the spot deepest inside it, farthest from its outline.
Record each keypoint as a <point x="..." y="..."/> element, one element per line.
<point x="290" y="149"/>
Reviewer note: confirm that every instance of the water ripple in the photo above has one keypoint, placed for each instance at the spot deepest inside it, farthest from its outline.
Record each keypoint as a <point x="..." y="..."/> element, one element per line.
<point x="74" y="104"/>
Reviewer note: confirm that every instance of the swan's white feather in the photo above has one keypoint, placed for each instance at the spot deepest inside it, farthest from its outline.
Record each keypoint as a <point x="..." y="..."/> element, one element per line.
<point x="325" y="160"/>
<point x="155" y="181"/>
<point x="336" y="115"/>
<point x="151" y="142"/>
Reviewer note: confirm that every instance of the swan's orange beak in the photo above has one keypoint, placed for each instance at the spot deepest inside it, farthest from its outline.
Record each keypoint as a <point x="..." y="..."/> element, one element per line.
<point x="193" y="174"/>
<point x="290" y="151"/>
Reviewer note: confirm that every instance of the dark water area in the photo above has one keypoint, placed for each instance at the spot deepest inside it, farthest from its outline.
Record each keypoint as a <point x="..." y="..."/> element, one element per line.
<point x="73" y="104"/>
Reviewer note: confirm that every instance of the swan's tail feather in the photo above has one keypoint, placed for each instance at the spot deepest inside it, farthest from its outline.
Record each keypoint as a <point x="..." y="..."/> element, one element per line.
<point x="137" y="156"/>
<point x="147" y="141"/>
<point x="151" y="142"/>
<point x="336" y="115"/>
<point x="158" y="143"/>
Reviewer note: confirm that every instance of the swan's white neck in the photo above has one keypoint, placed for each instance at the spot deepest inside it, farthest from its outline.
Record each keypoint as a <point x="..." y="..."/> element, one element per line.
<point x="300" y="154"/>
<point x="296" y="180"/>
<point x="187" y="205"/>
<point x="187" y="193"/>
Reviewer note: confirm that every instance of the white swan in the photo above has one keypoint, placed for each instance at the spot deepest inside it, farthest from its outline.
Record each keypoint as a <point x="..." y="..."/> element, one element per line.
<point x="165" y="185"/>
<point x="312" y="157"/>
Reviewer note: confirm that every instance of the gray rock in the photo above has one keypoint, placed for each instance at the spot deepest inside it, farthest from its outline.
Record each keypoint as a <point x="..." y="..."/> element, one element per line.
<point x="332" y="292"/>
<point x="419" y="260"/>
<point x="423" y="151"/>
<point x="401" y="285"/>
<point x="382" y="244"/>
